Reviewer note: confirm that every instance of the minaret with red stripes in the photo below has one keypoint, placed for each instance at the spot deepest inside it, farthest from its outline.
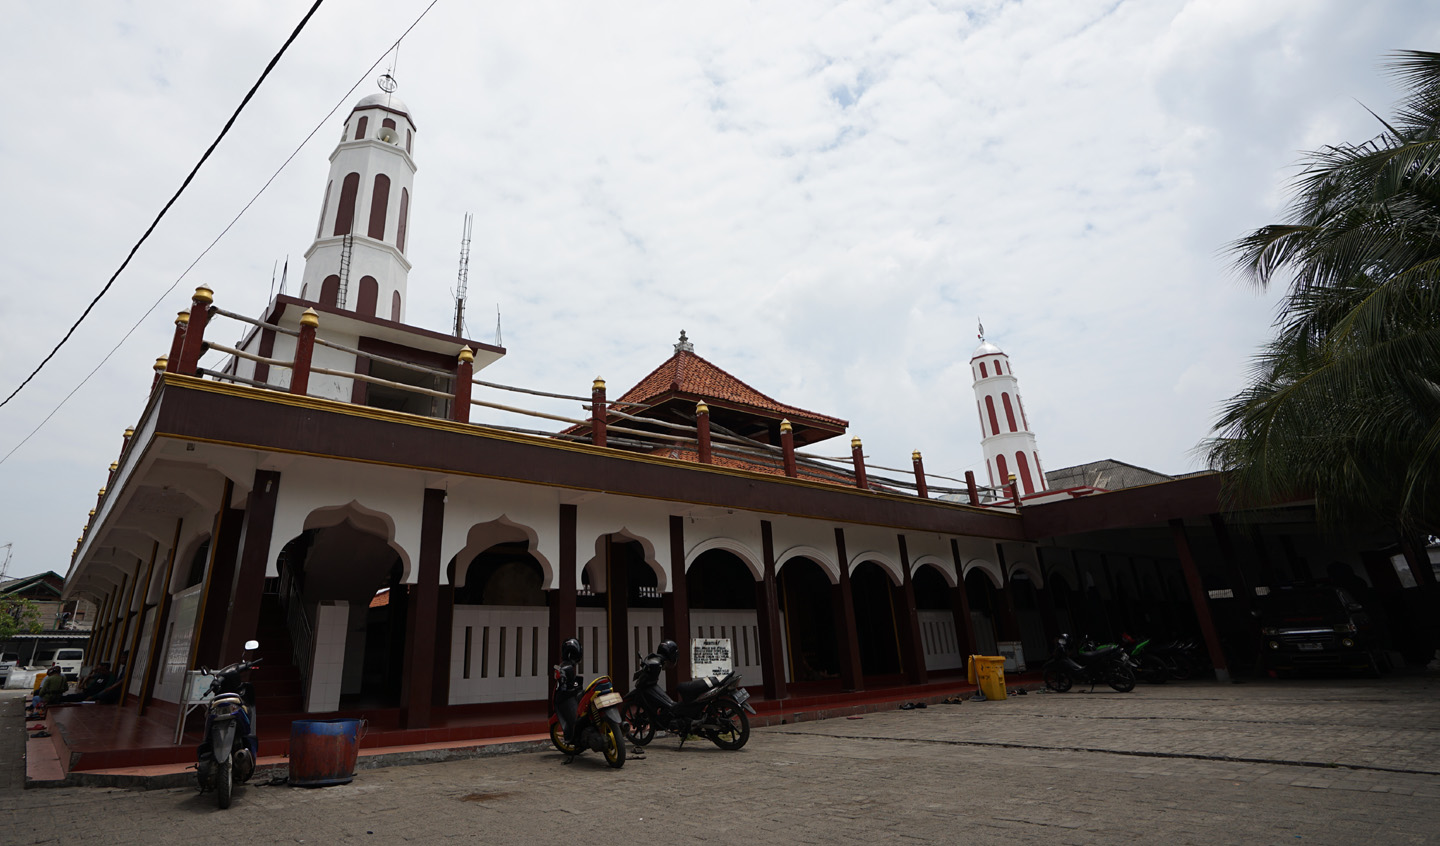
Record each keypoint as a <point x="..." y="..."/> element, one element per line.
<point x="1006" y="437"/>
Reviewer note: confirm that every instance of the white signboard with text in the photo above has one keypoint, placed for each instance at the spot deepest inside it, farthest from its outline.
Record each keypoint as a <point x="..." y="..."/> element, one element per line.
<point x="710" y="656"/>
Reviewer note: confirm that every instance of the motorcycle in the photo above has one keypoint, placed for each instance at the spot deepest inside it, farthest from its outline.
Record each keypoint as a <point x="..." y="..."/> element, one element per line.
<point x="713" y="707"/>
<point x="585" y="718"/>
<point x="1148" y="666"/>
<point x="1088" y="664"/>
<point x="229" y="749"/>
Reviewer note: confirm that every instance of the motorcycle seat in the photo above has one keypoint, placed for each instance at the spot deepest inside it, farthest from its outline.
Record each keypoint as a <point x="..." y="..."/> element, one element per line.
<point x="1100" y="653"/>
<point x="692" y="690"/>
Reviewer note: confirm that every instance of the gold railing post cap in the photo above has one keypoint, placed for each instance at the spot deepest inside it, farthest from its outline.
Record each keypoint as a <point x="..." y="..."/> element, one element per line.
<point x="310" y="318"/>
<point x="1010" y="478"/>
<point x="702" y="408"/>
<point x="598" y="384"/>
<point x="160" y="364"/>
<point x="467" y="355"/>
<point x="182" y="318"/>
<point x="114" y="465"/>
<point x="915" y="456"/>
<point x="855" y="442"/>
<point x="101" y="493"/>
<point x="786" y="427"/>
<point x="92" y="512"/>
<point x="129" y="433"/>
<point x="204" y="295"/>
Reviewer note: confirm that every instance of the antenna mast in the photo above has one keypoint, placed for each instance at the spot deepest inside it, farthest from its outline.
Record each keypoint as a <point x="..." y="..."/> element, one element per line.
<point x="464" y="279"/>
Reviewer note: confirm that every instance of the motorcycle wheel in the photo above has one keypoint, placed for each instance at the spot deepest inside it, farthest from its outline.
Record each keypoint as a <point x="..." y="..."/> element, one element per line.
<point x="1153" y="670"/>
<point x="557" y="737"/>
<point x="1181" y="668"/>
<point x="734" y="729"/>
<point x="224" y="784"/>
<point x="639" y="729"/>
<point x="1121" y="678"/>
<point x="1058" y="679"/>
<point x="613" y="736"/>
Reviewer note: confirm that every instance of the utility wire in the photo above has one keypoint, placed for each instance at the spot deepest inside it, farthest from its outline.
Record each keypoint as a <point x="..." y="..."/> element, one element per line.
<point x="183" y="185"/>
<point x="345" y="98"/>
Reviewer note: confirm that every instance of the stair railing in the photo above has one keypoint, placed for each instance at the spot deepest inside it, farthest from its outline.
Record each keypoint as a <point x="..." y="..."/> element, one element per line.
<point x="301" y="632"/>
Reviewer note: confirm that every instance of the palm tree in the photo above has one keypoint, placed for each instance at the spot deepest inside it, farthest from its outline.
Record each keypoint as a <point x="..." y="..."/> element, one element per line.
<point x="1344" y="401"/>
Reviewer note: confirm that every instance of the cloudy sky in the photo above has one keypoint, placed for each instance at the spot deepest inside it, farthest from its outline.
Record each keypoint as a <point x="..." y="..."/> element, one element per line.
<point x="825" y="196"/>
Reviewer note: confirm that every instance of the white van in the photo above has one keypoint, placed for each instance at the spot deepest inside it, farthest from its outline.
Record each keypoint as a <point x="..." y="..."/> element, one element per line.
<point x="70" y="661"/>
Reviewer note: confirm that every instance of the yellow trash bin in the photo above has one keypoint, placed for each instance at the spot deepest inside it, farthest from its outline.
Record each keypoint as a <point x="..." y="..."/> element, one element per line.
<point x="989" y="672"/>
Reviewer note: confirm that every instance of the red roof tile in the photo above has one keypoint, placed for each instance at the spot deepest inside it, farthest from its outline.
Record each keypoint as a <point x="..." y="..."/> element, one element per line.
<point x="687" y="373"/>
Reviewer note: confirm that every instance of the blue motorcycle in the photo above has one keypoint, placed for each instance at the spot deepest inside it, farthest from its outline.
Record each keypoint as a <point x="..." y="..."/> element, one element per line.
<point x="230" y="748"/>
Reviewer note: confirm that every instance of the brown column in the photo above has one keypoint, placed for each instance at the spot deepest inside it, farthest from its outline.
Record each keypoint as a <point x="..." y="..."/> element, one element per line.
<point x="702" y="431"/>
<point x="960" y="604"/>
<point x="922" y="489"/>
<point x="562" y="599"/>
<point x="617" y="614"/>
<point x="219" y="588"/>
<point x="767" y="606"/>
<point x="304" y="352"/>
<point x="787" y="448"/>
<point x="162" y="624"/>
<point x="464" y="373"/>
<point x="676" y="621"/>
<point x="134" y="650"/>
<point x="972" y="492"/>
<point x="177" y="343"/>
<point x="857" y="455"/>
<point x="908" y="621"/>
<point x="195" y="331"/>
<point x="1045" y="598"/>
<point x="418" y="673"/>
<point x="597" y="412"/>
<point x="259" y="525"/>
<point x="1199" y="599"/>
<point x="117" y="622"/>
<point x="1006" y="621"/>
<point x="444" y="634"/>
<point x="852" y="676"/>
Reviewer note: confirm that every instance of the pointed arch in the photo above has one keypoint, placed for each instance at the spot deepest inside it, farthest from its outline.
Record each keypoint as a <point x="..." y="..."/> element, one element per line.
<point x="380" y="205"/>
<point x="826" y="561"/>
<point x="404" y="219"/>
<point x="887" y="562"/>
<point x="369" y="294"/>
<point x="1009" y="410"/>
<point x="739" y="550"/>
<point x="662" y="577"/>
<point x="345" y="212"/>
<point x="502" y="529"/>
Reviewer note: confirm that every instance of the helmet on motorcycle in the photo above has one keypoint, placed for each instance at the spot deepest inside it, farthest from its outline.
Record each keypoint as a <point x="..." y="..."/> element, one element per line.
<point x="571" y="650"/>
<point x="668" y="651"/>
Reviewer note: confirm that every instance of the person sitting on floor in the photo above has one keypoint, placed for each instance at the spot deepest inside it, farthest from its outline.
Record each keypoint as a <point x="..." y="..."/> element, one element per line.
<point x="96" y="685"/>
<point x="51" y="690"/>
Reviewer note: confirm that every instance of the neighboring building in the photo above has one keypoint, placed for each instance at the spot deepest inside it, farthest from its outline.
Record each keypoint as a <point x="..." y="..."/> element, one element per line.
<point x="1105" y="475"/>
<point x="64" y="622"/>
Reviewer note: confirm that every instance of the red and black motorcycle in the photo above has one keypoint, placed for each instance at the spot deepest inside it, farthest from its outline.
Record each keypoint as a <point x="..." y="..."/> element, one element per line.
<point x="586" y="716"/>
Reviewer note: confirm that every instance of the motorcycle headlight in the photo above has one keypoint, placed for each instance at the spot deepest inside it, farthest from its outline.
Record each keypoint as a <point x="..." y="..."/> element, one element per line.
<point x="1347" y="642"/>
<point x="225" y="710"/>
<point x="1274" y="644"/>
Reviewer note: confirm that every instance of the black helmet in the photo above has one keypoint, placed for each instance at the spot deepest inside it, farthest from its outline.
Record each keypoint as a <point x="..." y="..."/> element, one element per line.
<point x="571" y="650"/>
<point x="668" y="651"/>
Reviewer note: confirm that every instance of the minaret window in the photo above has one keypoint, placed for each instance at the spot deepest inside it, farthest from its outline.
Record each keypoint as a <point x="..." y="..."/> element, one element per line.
<point x="1004" y="470"/>
<point x="408" y="137"/>
<point x="369" y="297"/>
<point x="330" y="291"/>
<point x="1022" y="469"/>
<point x="360" y="127"/>
<point x="1023" y="421"/>
<point x="404" y="218"/>
<point x="998" y="369"/>
<point x="379" y="201"/>
<point x="1009" y="411"/>
<point x="994" y="421"/>
<point x="388" y="123"/>
<point x="395" y="306"/>
<point x="324" y="207"/>
<point x="983" y="372"/>
<point x="345" y="214"/>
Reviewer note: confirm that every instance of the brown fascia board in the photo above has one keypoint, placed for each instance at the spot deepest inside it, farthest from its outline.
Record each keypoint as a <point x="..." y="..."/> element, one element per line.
<point x="251" y="418"/>
<point x="1146" y="505"/>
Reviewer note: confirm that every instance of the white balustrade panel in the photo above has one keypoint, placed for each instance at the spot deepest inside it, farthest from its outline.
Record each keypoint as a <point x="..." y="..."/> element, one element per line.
<point x="937" y="633"/>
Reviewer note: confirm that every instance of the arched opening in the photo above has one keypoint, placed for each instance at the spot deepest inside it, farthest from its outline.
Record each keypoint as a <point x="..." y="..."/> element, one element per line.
<point x="379" y="205"/>
<point x="983" y="605"/>
<point x="369" y="295"/>
<point x="875" y="625"/>
<point x="1009" y="411"/>
<point x="500" y="626"/>
<point x="937" y="619"/>
<point x="807" y="603"/>
<point x="361" y="126"/>
<point x="1022" y="469"/>
<point x="345" y="212"/>
<point x="720" y="590"/>
<point x="330" y="291"/>
<point x="1004" y="472"/>
<point x="395" y="306"/>
<point x="983" y="373"/>
<point x="388" y="123"/>
<point x="404" y="219"/>
<point x="990" y="410"/>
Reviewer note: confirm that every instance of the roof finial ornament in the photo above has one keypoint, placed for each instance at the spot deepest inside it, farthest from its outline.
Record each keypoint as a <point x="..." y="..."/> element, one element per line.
<point x="981" y="336"/>
<point x="684" y="345"/>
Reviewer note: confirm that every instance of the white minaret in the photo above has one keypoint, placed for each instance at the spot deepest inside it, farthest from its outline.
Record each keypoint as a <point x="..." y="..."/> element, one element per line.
<point x="367" y="198"/>
<point x="1006" y="437"/>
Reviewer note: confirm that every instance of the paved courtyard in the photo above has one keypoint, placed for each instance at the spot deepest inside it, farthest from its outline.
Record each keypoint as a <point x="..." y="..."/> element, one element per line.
<point x="1328" y="762"/>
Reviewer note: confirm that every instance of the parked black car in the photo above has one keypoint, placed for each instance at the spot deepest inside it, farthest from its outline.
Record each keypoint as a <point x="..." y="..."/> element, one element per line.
<point x="1305" y="627"/>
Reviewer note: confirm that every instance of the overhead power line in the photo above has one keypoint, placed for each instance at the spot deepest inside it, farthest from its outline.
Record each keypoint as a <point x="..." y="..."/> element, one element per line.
<point x="345" y="98"/>
<point x="183" y="185"/>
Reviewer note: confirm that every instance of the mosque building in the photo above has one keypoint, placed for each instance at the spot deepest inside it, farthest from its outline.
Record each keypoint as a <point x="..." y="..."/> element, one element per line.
<point x="326" y="492"/>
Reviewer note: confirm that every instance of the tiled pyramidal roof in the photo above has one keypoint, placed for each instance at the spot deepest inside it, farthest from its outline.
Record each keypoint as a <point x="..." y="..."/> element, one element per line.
<point x="687" y="373"/>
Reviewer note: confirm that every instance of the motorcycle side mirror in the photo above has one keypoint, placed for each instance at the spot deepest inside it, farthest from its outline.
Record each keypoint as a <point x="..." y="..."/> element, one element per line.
<point x="252" y="645"/>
